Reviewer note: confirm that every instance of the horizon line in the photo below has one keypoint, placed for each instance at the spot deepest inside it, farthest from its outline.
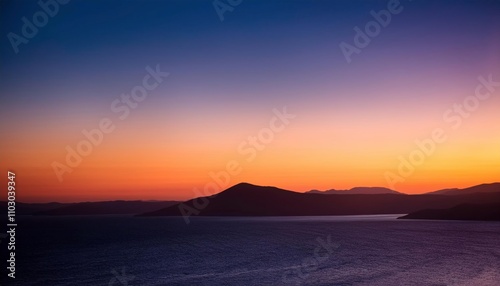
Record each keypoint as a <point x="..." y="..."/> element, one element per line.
<point x="49" y="201"/>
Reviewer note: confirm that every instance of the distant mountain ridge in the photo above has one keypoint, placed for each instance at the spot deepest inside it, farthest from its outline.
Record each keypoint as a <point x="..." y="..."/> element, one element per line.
<point x="246" y="200"/>
<point x="483" y="188"/>
<point x="89" y="208"/>
<point x="486" y="212"/>
<point x="31" y="208"/>
<point x="358" y="190"/>
<point x="250" y="200"/>
<point x="107" y="207"/>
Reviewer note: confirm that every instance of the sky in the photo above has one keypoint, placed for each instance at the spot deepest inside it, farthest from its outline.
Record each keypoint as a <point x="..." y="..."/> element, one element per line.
<point x="258" y="92"/>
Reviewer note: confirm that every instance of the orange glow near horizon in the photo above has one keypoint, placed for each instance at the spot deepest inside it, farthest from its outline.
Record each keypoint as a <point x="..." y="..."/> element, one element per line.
<point x="349" y="150"/>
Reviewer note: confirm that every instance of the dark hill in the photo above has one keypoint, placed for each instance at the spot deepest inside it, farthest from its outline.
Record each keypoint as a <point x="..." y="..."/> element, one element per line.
<point x="484" y="188"/>
<point x="487" y="212"/>
<point x="250" y="200"/>
<point x="31" y="208"/>
<point x="109" y="207"/>
<point x="358" y="190"/>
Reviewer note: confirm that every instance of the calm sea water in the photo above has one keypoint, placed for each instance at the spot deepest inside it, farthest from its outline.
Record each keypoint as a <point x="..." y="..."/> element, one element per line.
<point x="354" y="250"/>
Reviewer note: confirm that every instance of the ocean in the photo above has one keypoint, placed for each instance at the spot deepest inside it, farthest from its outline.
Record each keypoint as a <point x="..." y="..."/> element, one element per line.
<point x="347" y="250"/>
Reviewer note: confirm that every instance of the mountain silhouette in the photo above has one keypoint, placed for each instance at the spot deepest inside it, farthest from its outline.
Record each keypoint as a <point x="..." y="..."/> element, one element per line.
<point x="487" y="212"/>
<point x="483" y="188"/>
<point x="357" y="190"/>
<point x="32" y="208"/>
<point x="250" y="200"/>
<point x="245" y="199"/>
<point x="106" y="207"/>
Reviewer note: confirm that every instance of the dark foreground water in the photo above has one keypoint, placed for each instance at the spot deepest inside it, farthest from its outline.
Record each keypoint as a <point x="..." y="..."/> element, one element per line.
<point x="360" y="250"/>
